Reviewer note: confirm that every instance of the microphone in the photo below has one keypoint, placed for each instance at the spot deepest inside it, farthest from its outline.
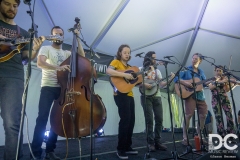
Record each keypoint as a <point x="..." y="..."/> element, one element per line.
<point x="26" y="1"/>
<point x="139" y="54"/>
<point x="71" y="29"/>
<point x="167" y="57"/>
<point x="202" y="57"/>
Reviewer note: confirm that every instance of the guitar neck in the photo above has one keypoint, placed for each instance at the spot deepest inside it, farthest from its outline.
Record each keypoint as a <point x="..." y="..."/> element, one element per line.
<point x="206" y="80"/>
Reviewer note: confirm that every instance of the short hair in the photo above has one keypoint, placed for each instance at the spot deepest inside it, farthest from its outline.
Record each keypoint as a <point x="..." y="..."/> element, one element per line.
<point x="199" y="55"/>
<point x="17" y="1"/>
<point x="118" y="56"/>
<point x="56" y="27"/>
<point x="219" y="66"/>
<point x="147" y="58"/>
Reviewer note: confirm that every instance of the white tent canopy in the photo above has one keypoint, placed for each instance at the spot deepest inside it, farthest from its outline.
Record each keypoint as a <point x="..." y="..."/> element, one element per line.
<point x="176" y="28"/>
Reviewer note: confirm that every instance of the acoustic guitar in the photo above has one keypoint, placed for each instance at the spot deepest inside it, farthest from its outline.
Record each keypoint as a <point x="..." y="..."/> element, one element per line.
<point x="187" y="91"/>
<point x="154" y="84"/>
<point x="124" y="85"/>
<point x="10" y="47"/>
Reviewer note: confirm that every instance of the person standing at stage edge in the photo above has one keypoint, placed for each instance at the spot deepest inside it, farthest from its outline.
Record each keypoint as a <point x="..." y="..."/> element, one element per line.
<point x="153" y="103"/>
<point x="49" y="60"/>
<point x="124" y="102"/>
<point x="12" y="78"/>
<point x="190" y="103"/>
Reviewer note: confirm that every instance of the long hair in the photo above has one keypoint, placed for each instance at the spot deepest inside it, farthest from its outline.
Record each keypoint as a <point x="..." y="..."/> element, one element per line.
<point x="147" y="59"/>
<point x="119" y="54"/>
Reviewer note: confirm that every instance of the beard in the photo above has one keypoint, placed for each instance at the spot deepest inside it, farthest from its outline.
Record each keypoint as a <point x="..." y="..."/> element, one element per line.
<point x="58" y="43"/>
<point x="8" y="15"/>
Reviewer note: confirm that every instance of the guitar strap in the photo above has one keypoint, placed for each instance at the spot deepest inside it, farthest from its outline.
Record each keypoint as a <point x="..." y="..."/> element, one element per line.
<point x="18" y="31"/>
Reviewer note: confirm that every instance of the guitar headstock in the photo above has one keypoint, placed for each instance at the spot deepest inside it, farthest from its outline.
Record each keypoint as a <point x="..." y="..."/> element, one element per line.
<point x="77" y="25"/>
<point x="55" y="38"/>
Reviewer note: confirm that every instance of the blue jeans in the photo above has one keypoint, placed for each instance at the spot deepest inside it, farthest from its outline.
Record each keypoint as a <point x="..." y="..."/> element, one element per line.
<point x="126" y="111"/>
<point x="153" y="106"/>
<point x="11" y="106"/>
<point x="48" y="95"/>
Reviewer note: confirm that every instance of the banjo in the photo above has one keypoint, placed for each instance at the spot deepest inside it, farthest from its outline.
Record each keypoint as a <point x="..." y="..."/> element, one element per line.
<point x="155" y="86"/>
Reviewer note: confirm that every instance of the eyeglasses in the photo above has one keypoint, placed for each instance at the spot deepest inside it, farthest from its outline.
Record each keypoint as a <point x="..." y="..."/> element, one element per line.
<point x="218" y="70"/>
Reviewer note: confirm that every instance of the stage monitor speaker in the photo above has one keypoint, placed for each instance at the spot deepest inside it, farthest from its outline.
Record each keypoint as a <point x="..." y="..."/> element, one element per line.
<point x="230" y="155"/>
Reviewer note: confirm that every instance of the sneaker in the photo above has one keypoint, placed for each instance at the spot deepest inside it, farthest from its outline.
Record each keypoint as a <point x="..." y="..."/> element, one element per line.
<point x="160" y="146"/>
<point x="131" y="151"/>
<point x="51" y="156"/>
<point x="122" y="154"/>
<point x="151" y="148"/>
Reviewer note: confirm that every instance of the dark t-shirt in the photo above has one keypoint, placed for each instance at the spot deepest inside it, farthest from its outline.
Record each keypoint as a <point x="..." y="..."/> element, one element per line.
<point x="239" y="112"/>
<point x="12" y="68"/>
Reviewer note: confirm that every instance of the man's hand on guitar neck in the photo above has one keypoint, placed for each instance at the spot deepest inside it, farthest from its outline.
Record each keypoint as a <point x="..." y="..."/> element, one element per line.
<point x="37" y="43"/>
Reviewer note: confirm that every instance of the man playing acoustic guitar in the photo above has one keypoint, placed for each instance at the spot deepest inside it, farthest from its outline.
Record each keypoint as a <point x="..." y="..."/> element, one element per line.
<point x="190" y="103"/>
<point x="153" y="104"/>
<point x="12" y="76"/>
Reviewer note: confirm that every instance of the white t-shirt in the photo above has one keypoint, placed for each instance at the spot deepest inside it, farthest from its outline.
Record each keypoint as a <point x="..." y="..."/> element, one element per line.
<point x="152" y="75"/>
<point x="54" y="57"/>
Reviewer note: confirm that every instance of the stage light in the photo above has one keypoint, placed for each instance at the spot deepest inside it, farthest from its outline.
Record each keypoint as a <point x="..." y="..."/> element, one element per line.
<point x="46" y="135"/>
<point x="100" y="132"/>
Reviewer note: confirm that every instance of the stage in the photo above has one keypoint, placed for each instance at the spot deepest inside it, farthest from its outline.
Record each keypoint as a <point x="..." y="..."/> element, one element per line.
<point x="105" y="148"/>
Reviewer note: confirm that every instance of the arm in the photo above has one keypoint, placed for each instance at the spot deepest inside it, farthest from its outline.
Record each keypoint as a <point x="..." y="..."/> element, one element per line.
<point x="80" y="50"/>
<point x="41" y="63"/>
<point x="163" y="84"/>
<point x="37" y="43"/>
<point x="110" y="71"/>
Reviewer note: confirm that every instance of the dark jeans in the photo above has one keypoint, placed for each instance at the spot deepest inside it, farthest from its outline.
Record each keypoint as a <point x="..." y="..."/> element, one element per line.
<point x="126" y="111"/>
<point x="11" y="105"/>
<point x="48" y="95"/>
<point x="153" y="106"/>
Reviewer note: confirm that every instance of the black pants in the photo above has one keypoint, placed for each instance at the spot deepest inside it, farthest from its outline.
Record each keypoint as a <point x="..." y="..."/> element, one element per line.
<point x="48" y="95"/>
<point x="126" y="111"/>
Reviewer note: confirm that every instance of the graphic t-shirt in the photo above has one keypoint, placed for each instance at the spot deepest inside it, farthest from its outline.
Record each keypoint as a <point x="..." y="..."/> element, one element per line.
<point x="12" y="68"/>
<point x="54" y="57"/>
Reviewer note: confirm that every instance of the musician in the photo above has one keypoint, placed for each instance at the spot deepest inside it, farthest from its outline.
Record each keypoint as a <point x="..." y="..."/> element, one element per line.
<point x="190" y="103"/>
<point x="124" y="102"/>
<point x="49" y="60"/>
<point x="153" y="104"/>
<point x="220" y="101"/>
<point x="12" y="77"/>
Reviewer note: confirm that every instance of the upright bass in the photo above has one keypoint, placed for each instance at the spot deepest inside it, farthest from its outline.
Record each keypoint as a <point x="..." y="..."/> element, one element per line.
<point x="70" y="115"/>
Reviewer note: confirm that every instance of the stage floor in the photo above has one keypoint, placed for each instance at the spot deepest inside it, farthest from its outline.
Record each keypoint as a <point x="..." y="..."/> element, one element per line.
<point x="104" y="148"/>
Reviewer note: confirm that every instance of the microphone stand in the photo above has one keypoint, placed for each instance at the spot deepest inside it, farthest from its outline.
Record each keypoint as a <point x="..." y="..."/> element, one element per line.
<point x="147" y="154"/>
<point x="189" y="148"/>
<point x="32" y="31"/>
<point x="91" y="95"/>
<point x="226" y="72"/>
<point x="175" y="155"/>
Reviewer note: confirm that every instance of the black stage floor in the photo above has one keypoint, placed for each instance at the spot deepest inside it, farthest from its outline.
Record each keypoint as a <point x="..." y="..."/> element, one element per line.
<point x="105" y="148"/>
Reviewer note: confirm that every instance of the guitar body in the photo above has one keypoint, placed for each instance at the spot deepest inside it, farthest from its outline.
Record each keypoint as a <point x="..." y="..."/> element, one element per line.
<point x="123" y="85"/>
<point x="152" y="91"/>
<point x="8" y="51"/>
<point x="186" y="91"/>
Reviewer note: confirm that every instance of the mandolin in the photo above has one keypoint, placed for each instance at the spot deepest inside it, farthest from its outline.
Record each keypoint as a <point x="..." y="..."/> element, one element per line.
<point x="12" y="46"/>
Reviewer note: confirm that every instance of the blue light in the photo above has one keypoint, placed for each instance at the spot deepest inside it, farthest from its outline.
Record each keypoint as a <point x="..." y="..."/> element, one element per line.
<point x="100" y="132"/>
<point x="46" y="135"/>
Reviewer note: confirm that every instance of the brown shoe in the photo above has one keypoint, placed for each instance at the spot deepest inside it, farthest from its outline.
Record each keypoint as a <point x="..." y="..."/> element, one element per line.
<point x="160" y="146"/>
<point x="151" y="148"/>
